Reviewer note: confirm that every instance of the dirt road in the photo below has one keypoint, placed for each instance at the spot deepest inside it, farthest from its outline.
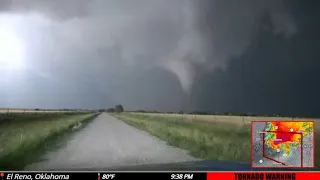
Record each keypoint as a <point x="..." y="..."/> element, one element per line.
<point x="108" y="142"/>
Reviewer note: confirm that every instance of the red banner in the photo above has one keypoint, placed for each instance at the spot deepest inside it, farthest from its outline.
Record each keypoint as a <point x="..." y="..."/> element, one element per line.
<point x="263" y="176"/>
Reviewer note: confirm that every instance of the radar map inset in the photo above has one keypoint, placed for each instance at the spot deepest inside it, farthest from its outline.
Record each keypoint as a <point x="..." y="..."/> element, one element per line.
<point x="282" y="144"/>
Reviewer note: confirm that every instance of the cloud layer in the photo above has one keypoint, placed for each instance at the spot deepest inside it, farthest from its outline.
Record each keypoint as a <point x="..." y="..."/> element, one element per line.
<point x="175" y="35"/>
<point x="143" y="53"/>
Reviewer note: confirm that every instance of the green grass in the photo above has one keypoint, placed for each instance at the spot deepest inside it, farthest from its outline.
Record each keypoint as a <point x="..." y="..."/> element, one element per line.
<point x="203" y="139"/>
<point x="212" y="141"/>
<point x="23" y="137"/>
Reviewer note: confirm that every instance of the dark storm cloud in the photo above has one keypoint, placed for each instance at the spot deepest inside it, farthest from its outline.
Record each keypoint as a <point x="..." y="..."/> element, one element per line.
<point x="145" y="53"/>
<point x="168" y="34"/>
<point x="274" y="75"/>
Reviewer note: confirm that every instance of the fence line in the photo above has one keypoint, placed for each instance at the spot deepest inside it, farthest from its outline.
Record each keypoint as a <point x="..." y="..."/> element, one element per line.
<point x="40" y="111"/>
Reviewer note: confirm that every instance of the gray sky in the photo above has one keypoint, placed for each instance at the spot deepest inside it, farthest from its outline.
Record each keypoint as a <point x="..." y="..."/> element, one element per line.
<point x="144" y="54"/>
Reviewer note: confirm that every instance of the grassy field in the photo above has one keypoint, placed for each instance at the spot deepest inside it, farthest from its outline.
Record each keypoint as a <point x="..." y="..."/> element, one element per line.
<point x="223" y="138"/>
<point x="24" y="136"/>
<point x="226" y="119"/>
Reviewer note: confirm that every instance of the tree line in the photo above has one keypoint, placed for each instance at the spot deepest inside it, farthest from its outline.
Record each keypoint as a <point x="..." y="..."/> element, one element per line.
<point x="118" y="109"/>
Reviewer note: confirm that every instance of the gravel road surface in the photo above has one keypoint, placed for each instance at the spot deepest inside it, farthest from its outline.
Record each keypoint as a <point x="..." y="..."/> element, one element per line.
<point x="109" y="142"/>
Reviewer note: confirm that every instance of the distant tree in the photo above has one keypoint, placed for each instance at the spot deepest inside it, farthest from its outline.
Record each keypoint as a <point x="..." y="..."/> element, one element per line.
<point x="118" y="108"/>
<point x="111" y="110"/>
<point x="181" y="112"/>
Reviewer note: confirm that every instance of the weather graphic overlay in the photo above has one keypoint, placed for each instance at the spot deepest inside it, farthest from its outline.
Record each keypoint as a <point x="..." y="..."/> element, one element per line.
<point x="282" y="144"/>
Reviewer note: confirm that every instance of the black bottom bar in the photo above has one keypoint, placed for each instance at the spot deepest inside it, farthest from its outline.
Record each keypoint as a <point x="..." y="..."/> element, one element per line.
<point x="102" y="175"/>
